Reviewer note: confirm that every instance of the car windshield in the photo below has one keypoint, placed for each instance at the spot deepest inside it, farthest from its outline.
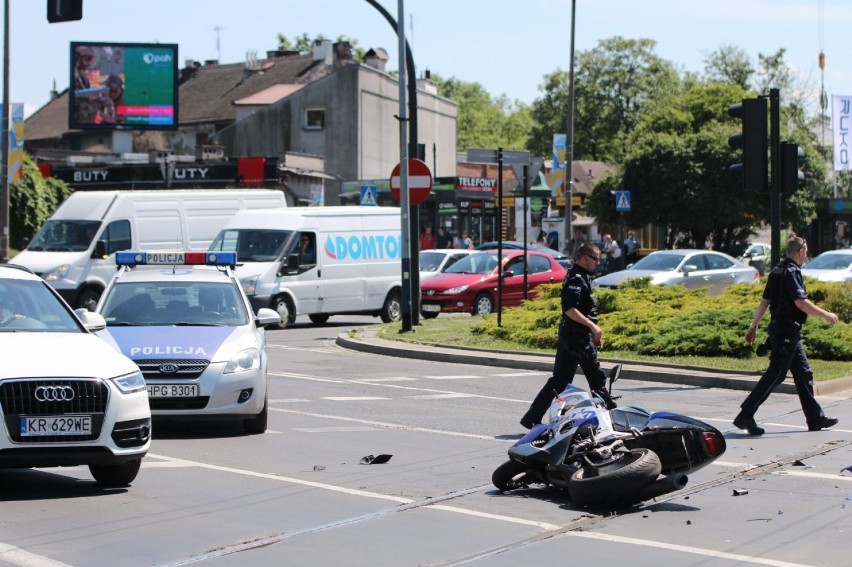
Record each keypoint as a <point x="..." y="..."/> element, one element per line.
<point x="174" y="303"/>
<point x="829" y="262"/>
<point x="27" y="305"/>
<point x="431" y="261"/>
<point x="474" y="264"/>
<point x="252" y="244"/>
<point x="64" y="236"/>
<point x="658" y="262"/>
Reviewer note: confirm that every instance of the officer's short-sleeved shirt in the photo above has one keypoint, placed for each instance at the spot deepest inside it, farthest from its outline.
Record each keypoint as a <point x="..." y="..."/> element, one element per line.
<point x="783" y="287"/>
<point x="577" y="292"/>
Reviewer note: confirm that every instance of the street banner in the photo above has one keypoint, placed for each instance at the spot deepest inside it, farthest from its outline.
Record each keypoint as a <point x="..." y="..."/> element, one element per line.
<point x="558" y="176"/>
<point x="841" y="119"/>
<point x="16" y="144"/>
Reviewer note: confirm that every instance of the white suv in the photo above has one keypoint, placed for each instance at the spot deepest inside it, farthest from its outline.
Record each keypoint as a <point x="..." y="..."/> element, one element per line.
<point x="66" y="397"/>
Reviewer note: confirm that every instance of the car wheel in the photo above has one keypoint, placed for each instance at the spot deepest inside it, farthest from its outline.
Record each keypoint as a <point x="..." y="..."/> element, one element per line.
<point x="286" y="312"/>
<point x="319" y="318"/>
<point x="116" y="476"/>
<point x="429" y="315"/>
<point x="392" y="309"/>
<point x="483" y="304"/>
<point x="88" y="298"/>
<point x="258" y="423"/>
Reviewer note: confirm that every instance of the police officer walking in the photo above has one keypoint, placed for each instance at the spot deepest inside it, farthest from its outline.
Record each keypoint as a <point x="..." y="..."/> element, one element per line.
<point x="788" y="302"/>
<point x="579" y="338"/>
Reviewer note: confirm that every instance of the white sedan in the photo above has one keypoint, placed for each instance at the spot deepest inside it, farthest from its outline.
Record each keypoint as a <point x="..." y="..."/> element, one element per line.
<point x="433" y="262"/>
<point x="831" y="266"/>
<point x="689" y="268"/>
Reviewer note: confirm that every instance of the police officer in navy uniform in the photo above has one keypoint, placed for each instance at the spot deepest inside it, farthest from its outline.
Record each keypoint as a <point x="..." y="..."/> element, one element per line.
<point x="788" y="302"/>
<point x="579" y="338"/>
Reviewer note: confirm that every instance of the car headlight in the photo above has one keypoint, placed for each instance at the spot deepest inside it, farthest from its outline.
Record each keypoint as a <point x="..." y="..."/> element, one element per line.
<point x="248" y="359"/>
<point x="57" y="273"/>
<point x="130" y="383"/>
<point x="458" y="289"/>
<point x="249" y="285"/>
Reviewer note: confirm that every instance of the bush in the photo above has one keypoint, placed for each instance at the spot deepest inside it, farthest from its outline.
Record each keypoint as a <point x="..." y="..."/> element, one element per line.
<point x="671" y="320"/>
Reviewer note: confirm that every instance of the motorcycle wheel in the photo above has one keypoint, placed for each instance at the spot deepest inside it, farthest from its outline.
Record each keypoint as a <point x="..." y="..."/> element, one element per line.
<point x="638" y="469"/>
<point x="509" y="476"/>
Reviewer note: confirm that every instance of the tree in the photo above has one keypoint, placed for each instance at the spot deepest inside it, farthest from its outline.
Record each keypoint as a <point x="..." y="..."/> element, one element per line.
<point x="483" y="121"/>
<point x="613" y="84"/>
<point x="729" y="64"/>
<point x="304" y="44"/>
<point x="32" y="201"/>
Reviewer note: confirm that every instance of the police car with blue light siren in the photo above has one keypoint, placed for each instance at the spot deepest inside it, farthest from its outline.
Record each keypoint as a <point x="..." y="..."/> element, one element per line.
<point x="183" y="318"/>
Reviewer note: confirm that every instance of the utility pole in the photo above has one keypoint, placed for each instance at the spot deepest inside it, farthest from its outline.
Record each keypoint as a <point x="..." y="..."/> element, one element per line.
<point x="569" y="143"/>
<point x="5" y="201"/>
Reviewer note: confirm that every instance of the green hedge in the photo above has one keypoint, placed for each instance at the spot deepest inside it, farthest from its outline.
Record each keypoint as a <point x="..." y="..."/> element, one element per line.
<point x="671" y="320"/>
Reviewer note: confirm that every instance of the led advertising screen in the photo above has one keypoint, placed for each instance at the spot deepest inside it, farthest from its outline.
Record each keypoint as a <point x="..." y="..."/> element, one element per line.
<point x="123" y="86"/>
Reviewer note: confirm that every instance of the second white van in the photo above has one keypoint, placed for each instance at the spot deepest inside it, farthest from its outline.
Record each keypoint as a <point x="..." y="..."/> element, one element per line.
<point x="318" y="261"/>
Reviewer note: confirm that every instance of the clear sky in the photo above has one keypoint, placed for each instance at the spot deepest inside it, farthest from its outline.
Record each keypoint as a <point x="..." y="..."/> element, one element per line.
<point x="505" y="45"/>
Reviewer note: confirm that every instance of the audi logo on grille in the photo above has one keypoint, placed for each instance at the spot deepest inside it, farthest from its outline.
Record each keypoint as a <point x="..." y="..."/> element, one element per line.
<point x="168" y="368"/>
<point x="54" y="393"/>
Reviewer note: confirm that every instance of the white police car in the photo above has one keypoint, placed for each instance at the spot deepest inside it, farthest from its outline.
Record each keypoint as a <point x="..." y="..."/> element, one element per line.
<point x="183" y="318"/>
<point x="66" y="398"/>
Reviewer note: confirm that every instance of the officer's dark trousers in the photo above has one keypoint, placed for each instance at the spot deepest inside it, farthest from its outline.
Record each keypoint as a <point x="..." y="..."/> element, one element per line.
<point x="575" y="349"/>
<point x="787" y="354"/>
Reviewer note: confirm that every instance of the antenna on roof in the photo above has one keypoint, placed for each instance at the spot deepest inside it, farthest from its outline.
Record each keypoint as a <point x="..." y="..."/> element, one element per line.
<point x="217" y="29"/>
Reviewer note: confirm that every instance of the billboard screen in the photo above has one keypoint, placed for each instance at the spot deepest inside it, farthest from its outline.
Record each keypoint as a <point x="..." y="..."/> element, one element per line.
<point x="123" y="86"/>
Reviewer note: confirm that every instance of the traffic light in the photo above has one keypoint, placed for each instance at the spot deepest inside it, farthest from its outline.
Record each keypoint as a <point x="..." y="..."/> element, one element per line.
<point x="64" y="10"/>
<point x="755" y="166"/>
<point x="790" y="172"/>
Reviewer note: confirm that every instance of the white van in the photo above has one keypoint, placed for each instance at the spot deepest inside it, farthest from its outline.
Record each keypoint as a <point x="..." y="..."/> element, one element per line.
<point x="75" y="249"/>
<point x="318" y="261"/>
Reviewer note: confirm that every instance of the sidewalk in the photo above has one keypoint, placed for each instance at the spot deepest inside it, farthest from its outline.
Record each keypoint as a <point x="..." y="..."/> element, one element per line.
<point x="369" y="341"/>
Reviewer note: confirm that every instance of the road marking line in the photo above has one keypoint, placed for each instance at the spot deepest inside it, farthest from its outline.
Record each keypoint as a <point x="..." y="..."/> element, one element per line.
<point x="352" y="398"/>
<point x="513" y="374"/>
<point x="440" y="396"/>
<point x="805" y="474"/>
<point x="389" y="379"/>
<point x="684" y="549"/>
<point x="510" y="519"/>
<point x="17" y="556"/>
<point x="288" y="401"/>
<point x="350" y="429"/>
<point x="456" y="377"/>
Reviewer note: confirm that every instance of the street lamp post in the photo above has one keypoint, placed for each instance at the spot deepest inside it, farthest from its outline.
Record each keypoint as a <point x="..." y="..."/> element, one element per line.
<point x="569" y="143"/>
<point x="4" y="154"/>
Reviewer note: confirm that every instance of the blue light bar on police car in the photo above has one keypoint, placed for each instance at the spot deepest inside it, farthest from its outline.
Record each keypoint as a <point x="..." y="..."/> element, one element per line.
<point x="174" y="258"/>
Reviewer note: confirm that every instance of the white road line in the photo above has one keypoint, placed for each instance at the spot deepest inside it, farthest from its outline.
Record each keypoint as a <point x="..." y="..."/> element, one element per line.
<point x="352" y="398"/>
<point x="288" y="400"/>
<point x="805" y="474"/>
<point x="350" y="429"/>
<point x="513" y="374"/>
<point x="440" y="396"/>
<point x="389" y="379"/>
<point x="511" y="519"/>
<point x="773" y="424"/>
<point x="458" y="377"/>
<point x="17" y="556"/>
<point x="684" y="549"/>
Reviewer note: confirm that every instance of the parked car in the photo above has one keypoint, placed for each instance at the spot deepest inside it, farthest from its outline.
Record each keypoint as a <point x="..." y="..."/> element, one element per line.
<point x="691" y="268"/>
<point x="759" y="255"/>
<point x="564" y="261"/>
<point x="184" y="319"/>
<point x="831" y="266"/>
<point x="67" y="398"/>
<point x="433" y="262"/>
<point x="470" y="285"/>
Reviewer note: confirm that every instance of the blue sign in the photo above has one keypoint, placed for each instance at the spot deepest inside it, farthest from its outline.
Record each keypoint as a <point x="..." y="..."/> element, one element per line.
<point x="368" y="196"/>
<point x="622" y="201"/>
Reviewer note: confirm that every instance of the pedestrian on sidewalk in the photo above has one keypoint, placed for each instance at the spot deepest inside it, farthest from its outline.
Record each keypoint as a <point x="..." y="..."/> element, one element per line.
<point x="787" y="299"/>
<point x="579" y="338"/>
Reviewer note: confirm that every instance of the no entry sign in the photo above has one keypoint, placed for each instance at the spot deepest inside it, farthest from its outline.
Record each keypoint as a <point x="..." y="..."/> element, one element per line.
<point x="419" y="181"/>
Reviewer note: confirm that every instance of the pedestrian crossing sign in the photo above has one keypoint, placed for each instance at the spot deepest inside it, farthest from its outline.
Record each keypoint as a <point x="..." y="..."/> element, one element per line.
<point x="622" y="201"/>
<point x="368" y="196"/>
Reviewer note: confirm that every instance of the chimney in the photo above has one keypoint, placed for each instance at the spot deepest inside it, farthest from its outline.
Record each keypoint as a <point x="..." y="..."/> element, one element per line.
<point x="376" y="58"/>
<point x="251" y="60"/>
<point x="427" y="84"/>
<point x="342" y="53"/>
<point x="211" y="62"/>
<point x="323" y="51"/>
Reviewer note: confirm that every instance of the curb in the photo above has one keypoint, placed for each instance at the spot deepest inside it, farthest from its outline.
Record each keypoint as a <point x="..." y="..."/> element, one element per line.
<point x="369" y="342"/>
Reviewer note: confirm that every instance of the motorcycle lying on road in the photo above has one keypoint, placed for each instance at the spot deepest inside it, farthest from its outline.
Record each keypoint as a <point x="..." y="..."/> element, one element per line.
<point x="621" y="456"/>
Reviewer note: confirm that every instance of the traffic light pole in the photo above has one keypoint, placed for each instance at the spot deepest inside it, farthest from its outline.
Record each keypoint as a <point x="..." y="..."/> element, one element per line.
<point x="775" y="174"/>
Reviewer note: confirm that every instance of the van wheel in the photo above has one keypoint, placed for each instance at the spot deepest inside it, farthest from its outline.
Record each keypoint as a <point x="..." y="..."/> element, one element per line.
<point x="392" y="309"/>
<point x="286" y="312"/>
<point x="319" y="318"/>
<point x="88" y="298"/>
<point x="483" y="305"/>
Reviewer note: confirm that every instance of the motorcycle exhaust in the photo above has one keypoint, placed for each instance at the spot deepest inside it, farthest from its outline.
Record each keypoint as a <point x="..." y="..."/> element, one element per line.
<point x="662" y="486"/>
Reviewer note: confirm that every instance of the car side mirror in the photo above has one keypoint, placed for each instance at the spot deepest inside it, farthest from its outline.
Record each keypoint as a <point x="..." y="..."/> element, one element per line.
<point x="689" y="268"/>
<point x="100" y="250"/>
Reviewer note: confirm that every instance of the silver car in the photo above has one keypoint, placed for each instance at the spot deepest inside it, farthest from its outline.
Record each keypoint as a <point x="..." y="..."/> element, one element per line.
<point x="691" y="268"/>
<point x="435" y="261"/>
<point x="831" y="266"/>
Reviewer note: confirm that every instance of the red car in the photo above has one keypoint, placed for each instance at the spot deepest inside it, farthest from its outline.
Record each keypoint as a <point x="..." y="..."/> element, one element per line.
<point x="470" y="285"/>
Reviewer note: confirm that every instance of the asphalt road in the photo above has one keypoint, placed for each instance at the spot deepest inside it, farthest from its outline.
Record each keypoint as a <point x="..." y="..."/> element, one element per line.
<point x="298" y="495"/>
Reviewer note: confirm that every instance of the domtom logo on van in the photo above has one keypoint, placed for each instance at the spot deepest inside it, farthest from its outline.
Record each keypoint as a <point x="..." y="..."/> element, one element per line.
<point x="373" y="247"/>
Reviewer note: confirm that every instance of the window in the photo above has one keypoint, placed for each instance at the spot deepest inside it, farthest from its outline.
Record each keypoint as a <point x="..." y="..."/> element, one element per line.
<point x="314" y="119"/>
<point x="117" y="236"/>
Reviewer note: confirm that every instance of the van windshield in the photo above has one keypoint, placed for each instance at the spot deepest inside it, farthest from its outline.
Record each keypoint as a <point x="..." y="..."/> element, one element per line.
<point x="252" y="244"/>
<point x="65" y="236"/>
